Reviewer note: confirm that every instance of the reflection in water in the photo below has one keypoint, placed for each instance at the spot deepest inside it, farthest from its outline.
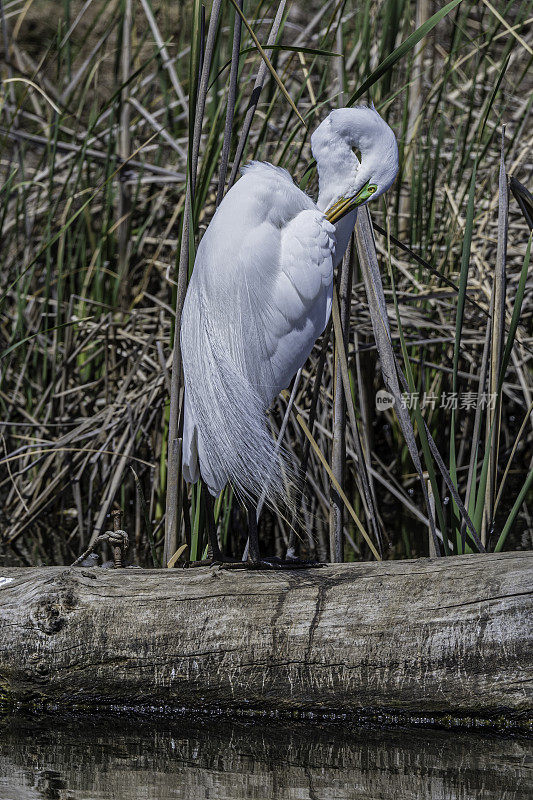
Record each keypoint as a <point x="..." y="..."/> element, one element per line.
<point x="196" y="759"/>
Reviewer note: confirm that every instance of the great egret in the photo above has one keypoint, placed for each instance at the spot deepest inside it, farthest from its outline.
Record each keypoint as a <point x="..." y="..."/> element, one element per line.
<point x="259" y="297"/>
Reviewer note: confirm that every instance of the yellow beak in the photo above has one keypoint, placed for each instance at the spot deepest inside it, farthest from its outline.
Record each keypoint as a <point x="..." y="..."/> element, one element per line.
<point x="340" y="209"/>
<point x="347" y="204"/>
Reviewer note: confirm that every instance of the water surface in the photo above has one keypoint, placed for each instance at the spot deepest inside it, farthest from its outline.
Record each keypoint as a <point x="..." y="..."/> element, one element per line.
<point x="202" y="759"/>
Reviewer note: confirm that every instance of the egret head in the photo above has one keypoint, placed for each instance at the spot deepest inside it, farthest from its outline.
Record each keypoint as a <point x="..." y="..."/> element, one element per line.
<point x="346" y="182"/>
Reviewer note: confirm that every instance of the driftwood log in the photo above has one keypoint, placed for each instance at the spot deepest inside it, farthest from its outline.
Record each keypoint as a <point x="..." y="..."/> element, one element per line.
<point x="426" y="637"/>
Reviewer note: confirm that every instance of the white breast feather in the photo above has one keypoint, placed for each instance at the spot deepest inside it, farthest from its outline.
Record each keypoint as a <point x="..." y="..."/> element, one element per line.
<point x="259" y="297"/>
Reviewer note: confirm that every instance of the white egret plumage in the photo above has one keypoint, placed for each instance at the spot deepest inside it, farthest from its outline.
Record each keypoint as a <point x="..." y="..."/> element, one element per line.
<point x="260" y="295"/>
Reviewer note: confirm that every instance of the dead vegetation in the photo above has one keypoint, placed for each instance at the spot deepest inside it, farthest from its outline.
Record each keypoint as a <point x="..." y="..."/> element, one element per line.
<point x="94" y="136"/>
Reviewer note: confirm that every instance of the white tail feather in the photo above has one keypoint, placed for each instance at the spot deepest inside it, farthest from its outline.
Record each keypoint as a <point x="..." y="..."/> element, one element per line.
<point x="225" y="435"/>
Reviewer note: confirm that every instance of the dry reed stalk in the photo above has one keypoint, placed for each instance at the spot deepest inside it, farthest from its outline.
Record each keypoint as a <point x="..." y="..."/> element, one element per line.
<point x="230" y="110"/>
<point x="342" y="494"/>
<point x="364" y="484"/>
<point x="476" y="433"/>
<point x="311" y="421"/>
<point x="69" y="147"/>
<point x="173" y="508"/>
<point x="415" y="106"/>
<point x="497" y="344"/>
<point x="13" y="117"/>
<point x="74" y="83"/>
<point x="390" y="484"/>
<point x="376" y="300"/>
<point x="152" y="121"/>
<point x="338" y="447"/>
<point x="281" y="434"/>
<point x="256" y="92"/>
<point x="124" y="194"/>
<point x="339" y="63"/>
<point x="165" y="58"/>
<point x="431" y="543"/>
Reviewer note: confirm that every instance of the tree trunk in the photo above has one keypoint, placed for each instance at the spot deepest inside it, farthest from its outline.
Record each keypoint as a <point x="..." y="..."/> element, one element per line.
<point x="443" y="636"/>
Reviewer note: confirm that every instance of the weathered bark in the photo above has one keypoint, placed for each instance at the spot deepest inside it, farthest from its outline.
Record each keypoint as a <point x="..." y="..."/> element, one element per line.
<point x="436" y="636"/>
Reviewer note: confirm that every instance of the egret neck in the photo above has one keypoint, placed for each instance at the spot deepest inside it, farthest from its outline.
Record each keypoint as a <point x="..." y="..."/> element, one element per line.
<point x="345" y="183"/>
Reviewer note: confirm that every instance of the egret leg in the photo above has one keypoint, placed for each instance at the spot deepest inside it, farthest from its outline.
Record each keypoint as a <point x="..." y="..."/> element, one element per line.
<point x="215" y="555"/>
<point x="254" y="554"/>
<point x="269" y="562"/>
<point x="254" y="561"/>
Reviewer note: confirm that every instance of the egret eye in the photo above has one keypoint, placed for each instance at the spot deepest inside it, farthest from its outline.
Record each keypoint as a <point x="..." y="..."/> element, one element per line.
<point x="371" y="189"/>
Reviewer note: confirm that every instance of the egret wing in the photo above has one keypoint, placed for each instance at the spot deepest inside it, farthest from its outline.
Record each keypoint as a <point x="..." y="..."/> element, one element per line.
<point x="259" y="296"/>
<point x="301" y="300"/>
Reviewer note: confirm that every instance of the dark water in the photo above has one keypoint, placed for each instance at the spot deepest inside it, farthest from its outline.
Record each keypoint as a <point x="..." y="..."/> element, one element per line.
<point x="191" y="759"/>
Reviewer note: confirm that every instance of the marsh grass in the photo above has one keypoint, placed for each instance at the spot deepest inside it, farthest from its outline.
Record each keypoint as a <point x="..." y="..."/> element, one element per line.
<point x="121" y="125"/>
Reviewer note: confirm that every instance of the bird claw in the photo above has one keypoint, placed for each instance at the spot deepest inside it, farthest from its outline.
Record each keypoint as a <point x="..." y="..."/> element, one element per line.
<point x="219" y="562"/>
<point x="269" y="562"/>
<point x="299" y="563"/>
<point x="278" y="563"/>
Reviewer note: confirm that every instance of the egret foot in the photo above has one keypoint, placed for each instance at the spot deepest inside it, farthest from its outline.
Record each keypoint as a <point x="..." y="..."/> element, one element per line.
<point x="255" y="561"/>
<point x="262" y="563"/>
<point x="215" y="556"/>
<point x="279" y="563"/>
<point x="218" y="560"/>
<point x="297" y="563"/>
<point x="269" y="562"/>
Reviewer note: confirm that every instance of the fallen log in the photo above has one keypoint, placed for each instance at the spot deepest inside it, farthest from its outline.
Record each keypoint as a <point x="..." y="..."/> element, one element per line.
<point x="425" y="637"/>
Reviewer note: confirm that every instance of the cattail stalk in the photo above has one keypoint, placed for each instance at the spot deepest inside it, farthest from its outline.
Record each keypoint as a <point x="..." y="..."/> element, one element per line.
<point x="338" y="448"/>
<point x="230" y="111"/>
<point x="497" y="343"/>
<point x="124" y="197"/>
<point x="173" y="506"/>
<point x="258" y="86"/>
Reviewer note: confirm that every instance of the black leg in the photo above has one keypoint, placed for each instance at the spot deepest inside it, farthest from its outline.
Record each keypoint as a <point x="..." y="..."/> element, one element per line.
<point x="214" y="552"/>
<point x="254" y="555"/>
<point x="215" y="557"/>
<point x="253" y="540"/>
